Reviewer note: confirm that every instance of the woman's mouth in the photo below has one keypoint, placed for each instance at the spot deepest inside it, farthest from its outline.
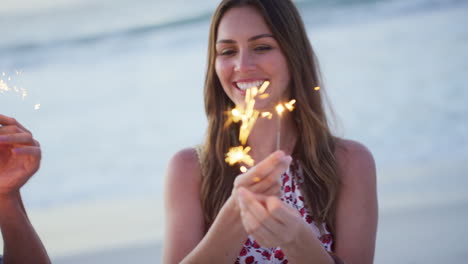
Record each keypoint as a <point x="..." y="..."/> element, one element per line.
<point x="244" y="85"/>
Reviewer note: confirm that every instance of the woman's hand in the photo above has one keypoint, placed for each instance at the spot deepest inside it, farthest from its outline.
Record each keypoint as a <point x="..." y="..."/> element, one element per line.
<point x="271" y="222"/>
<point x="264" y="178"/>
<point x="20" y="155"/>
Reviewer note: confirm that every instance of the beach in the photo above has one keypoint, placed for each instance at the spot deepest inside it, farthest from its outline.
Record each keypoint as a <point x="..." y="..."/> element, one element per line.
<point x="118" y="99"/>
<point x="431" y="234"/>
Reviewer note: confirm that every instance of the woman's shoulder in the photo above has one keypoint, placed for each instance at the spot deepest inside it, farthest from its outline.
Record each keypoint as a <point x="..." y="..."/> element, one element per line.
<point x="354" y="160"/>
<point x="346" y="148"/>
<point x="184" y="166"/>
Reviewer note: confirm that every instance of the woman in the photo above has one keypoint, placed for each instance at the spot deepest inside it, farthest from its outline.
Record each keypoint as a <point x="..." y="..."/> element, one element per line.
<point x="312" y="202"/>
<point x="20" y="156"/>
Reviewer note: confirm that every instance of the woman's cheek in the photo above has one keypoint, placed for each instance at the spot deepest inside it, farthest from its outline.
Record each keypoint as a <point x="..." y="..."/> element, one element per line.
<point x="222" y="70"/>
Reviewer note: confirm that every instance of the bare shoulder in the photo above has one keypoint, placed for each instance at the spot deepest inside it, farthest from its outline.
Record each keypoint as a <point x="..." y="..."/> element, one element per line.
<point x="354" y="160"/>
<point x="183" y="176"/>
<point x="184" y="166"/>
<point x="357" y="205"/>
<point x="182" y="202"/>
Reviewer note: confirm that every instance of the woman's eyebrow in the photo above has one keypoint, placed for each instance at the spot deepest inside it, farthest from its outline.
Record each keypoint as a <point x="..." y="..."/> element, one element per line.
<point x="230" y="41"/>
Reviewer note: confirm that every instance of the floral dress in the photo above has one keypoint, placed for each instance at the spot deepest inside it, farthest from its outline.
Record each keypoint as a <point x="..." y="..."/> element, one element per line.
<point x="252" y="252"/>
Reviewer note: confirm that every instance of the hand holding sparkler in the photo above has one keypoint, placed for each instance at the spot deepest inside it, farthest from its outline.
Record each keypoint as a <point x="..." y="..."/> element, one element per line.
<point x="264" y="178"/>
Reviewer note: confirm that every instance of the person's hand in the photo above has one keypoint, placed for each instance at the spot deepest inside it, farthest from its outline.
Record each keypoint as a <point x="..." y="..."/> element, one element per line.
<point x="20" y="155"/>
<point x="271" y="222"/>
<point x="264" y="178"/>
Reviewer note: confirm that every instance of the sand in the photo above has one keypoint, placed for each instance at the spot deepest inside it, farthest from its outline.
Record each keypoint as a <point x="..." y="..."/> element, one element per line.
<point x="131" y="232"/>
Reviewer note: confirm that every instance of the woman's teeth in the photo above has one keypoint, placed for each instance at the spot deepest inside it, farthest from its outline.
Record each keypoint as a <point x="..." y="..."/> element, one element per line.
<point x="247" y="85"/>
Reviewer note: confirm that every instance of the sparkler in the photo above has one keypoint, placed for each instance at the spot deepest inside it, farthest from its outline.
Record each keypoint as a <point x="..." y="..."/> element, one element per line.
<point x="239" y="154"/>
<point x="247" y="115"/>
<point x="22" y="92"/>
<point x="279" y="110"/>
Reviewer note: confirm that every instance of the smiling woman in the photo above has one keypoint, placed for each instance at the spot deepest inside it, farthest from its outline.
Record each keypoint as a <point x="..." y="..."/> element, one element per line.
<point x="311" y="200"/>
<point x="247" y="54"/>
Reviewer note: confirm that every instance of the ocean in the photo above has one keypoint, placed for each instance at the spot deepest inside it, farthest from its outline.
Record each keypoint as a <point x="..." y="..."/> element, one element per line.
<point x="120" y="88"/>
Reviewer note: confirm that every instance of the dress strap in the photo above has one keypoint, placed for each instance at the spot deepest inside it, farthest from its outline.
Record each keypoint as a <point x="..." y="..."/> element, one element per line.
<point x="199" y="150"/>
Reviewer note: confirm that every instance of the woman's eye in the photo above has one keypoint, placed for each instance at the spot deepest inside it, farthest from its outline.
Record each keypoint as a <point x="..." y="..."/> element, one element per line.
<point x="227" y="52"/>
<point x="262" y="48"/>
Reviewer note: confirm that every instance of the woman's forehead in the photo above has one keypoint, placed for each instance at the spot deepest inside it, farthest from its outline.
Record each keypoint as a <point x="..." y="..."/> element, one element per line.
<point x="242" y="22"/>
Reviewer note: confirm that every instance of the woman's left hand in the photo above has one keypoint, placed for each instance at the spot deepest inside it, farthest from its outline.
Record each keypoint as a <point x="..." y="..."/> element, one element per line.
<point x="20" y="155"/>
<point x="270" y="221"/>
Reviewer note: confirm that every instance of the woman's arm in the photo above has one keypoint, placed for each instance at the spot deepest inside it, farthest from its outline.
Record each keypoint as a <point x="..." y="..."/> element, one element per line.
<point x="272" y="223"/>
<point x="21" y="242"/>
<point x="185" y="221"/>
<point x="185" y="240"/>
<point x="20" y="157"/>
<point x="357" y="208"/>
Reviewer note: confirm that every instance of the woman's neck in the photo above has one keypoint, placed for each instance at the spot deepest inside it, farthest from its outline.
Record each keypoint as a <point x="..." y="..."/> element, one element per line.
<point x="264" y="137"/>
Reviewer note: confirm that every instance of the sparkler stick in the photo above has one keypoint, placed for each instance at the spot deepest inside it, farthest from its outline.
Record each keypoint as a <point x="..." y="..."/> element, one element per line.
<point x="280" y="109"/>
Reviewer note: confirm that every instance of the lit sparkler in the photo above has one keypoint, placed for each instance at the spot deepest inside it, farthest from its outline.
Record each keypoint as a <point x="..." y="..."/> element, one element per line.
<point x="239" y="154"/>
<point x="5" y="87"/>
<point x="279" y="110"/>
<point x="247" y="115"/>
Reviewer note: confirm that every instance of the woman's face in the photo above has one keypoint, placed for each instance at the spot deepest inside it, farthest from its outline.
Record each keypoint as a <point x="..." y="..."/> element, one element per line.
<point x="247" y="54"/>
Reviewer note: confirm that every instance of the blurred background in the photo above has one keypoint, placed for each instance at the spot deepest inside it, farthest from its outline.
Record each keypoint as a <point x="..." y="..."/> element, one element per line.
<point x="115" y="88"/>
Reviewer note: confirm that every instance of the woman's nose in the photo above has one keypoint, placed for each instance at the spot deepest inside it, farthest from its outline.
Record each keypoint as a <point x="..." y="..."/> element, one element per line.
<point x="245" y="62"/>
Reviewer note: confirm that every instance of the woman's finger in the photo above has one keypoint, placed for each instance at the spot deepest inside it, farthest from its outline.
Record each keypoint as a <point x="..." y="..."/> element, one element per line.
<point x="257" y="220"/>
<point x="262" y="169"/>
<point x="9" y="130"/>
<point x="272" y="178"/>
<point x="6" y="120"/>
<point x="274" y="190"/>
<point x="254" y="207"/>
<point x="248" y="203"/>
<point x="278" y="210"/>
<point x="9" y="121"/>
<point x="276" y="227"/>
<point x="28" y="150"/>
<point x="18" y="138"/>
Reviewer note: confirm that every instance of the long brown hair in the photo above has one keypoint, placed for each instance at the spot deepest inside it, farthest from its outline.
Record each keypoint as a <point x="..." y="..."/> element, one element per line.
<point x="315" y="146"/>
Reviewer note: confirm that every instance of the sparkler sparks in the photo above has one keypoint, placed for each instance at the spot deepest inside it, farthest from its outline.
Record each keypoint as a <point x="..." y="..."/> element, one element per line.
<point x="247" y="115"/>
<point x="280" y="109"/>
<point x="239" y="154"/>
<point x="5" y="87"/>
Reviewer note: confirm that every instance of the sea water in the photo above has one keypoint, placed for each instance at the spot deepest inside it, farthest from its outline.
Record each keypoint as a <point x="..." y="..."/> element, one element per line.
<point x="120" y="88"/>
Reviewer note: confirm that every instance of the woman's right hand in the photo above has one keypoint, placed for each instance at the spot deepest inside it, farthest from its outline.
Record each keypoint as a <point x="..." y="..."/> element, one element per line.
<point x="20" y="156"/>
<point x="264" y="178"/>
